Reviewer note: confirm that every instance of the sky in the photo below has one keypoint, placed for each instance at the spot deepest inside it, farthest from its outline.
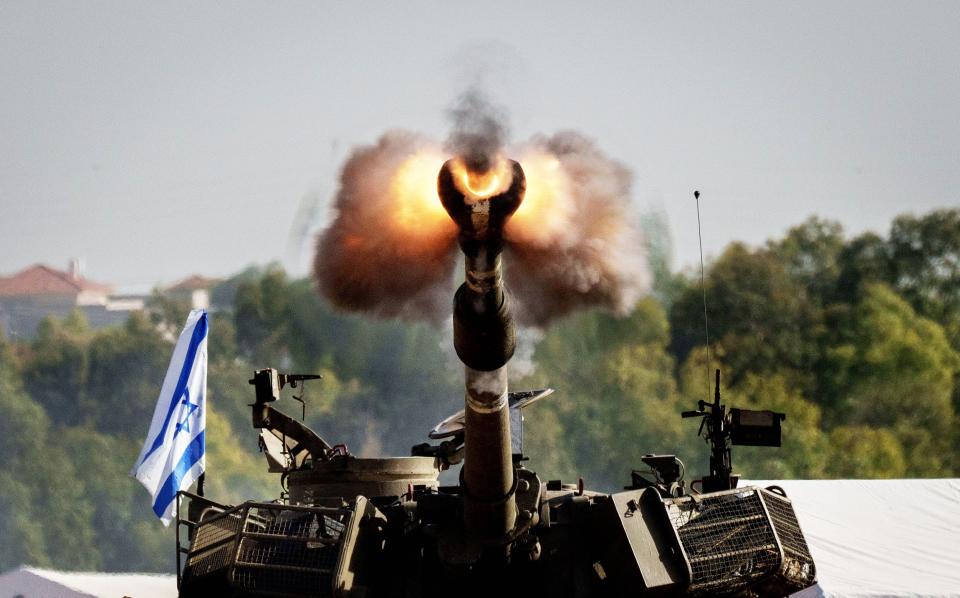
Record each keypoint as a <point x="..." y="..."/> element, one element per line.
<point x="157" y="140"/>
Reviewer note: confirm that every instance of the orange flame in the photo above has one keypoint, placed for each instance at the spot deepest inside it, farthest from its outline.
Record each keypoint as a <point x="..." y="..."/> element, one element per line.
<point x="545" y="213"/>
<point x="477" y="185"/>
<point x="546" y="210"/>
<point x="417" y="211"/>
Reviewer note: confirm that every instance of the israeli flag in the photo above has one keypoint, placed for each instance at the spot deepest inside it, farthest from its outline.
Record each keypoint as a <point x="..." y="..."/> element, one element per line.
<point x="173" y="455"/>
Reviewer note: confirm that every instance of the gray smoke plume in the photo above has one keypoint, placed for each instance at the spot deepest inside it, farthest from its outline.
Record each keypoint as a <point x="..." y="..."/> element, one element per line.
<point x="479" y="130"/>
<point x="366" y="263"/>
<point x="593" y="255"/>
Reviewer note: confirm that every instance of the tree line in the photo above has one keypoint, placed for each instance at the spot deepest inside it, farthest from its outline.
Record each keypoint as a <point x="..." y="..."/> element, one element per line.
<point x="856" y="339"/>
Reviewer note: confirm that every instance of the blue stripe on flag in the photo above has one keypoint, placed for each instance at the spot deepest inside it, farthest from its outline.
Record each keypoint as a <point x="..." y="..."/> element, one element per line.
<point x="199" y="333"/>
<point x="172" y="484"/>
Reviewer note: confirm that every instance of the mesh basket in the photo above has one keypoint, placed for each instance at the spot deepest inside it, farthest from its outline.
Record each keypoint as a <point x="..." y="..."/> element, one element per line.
<point x="797" y="562"/>
<point x="739" y="539"/>
<point x="266" y="549"/>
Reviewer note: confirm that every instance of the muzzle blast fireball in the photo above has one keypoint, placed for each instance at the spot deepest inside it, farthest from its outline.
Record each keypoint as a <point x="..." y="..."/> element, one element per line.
<point x="572" y="243"/>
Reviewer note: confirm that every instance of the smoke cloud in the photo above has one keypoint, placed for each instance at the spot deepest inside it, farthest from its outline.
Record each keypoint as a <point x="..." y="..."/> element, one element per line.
<point x="580" y="246"/>
<point x="574" y="243"/>
<point x="479" y="130"/>
<point x="390" y="250"/>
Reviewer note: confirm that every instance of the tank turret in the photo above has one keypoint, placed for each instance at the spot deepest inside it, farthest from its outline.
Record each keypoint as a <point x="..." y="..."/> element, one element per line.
<point x="384" y="527"/>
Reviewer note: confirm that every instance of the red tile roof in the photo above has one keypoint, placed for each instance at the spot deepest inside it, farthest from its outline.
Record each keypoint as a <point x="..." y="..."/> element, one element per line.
<point x="44" y="280"/>
<point x="193" y="283"/>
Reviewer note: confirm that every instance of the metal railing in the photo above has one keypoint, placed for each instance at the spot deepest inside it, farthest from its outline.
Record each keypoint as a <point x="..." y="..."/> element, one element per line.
<point x="263" y="549"/>
<point x="740" y="539"/>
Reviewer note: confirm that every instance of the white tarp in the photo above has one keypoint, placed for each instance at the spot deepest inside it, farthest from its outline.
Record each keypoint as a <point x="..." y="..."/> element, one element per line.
<point x="873" y="538"/>
<point x="31" y="582"/>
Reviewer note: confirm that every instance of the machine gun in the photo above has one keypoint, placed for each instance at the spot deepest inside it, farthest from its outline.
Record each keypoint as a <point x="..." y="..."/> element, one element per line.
<point x="290" y="443"/>
<point x="744" y="427"/>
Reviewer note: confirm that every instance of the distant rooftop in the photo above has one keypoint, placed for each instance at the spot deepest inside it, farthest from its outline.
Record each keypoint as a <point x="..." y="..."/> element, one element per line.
<point x="193" y="283"/>
<point x="40" y="279"/>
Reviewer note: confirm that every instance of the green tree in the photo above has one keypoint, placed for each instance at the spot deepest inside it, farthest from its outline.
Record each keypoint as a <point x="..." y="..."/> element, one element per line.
<point x="810" y="254"/>
<point x="863" y="452"/>
<point x="235" y="469"/>
<point x="658" y="244"/>
<point x="119" y="503"/>
<point x="166" y="312"/>
<point x="59" y="500"/>
<point x="22" y="533"/>
<point x="41" y="496"/>
<point x="925" y="255"/>
<point x="757" y="312"/>
<point x="57" y="371"/>
<point x="260" y="314"/>
<point x="127" y="367"/>
<point x="617" y="396"/>
<point x="888" y="367"/>
<point x="925" y="269"/>
<point x="22" y="432"/>
<point x="863" y="260"/>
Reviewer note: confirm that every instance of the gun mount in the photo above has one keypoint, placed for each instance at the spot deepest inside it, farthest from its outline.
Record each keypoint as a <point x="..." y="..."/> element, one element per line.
<point x="744" y="427"/>
<point x="313" y="468"/>
<point x="384" y="527"/>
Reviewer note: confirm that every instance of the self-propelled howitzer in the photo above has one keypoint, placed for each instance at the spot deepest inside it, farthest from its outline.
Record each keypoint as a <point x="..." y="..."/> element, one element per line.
<point x="384" y="527"/>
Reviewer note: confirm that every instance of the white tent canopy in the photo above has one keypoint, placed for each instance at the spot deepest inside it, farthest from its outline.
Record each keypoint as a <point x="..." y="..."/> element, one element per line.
<point x="873" y="538"/>
<point x="31" y="582"/>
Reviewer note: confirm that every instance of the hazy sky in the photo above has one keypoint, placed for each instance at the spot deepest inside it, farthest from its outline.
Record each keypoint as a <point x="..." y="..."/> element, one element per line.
<point x="160" y="139"/>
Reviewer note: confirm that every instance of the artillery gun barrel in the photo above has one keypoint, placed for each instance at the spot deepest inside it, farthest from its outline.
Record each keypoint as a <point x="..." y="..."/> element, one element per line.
<point x="484" y="338"/>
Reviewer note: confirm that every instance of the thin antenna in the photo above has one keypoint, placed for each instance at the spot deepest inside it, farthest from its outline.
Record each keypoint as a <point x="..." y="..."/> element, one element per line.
<point x="703" y="289"/>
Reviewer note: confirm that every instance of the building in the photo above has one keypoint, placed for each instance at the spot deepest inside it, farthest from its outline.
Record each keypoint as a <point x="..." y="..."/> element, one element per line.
<point x="39" y="291"/>
<point x="194" y="289"/>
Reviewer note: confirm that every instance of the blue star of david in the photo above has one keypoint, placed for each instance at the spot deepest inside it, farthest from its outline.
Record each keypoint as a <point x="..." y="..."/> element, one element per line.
<point x="184" y="425"/>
